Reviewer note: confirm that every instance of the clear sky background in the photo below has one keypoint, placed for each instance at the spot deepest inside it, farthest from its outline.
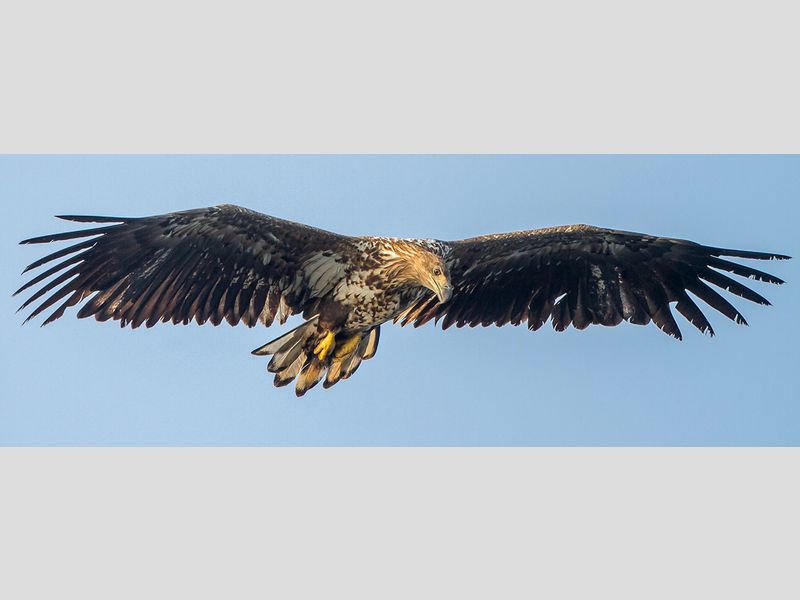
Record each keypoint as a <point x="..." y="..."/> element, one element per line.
<point x="86" y="383"/>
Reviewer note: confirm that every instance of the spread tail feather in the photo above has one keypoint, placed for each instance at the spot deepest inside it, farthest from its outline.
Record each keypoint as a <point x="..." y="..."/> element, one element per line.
<point x="288" y="339"/>
<point x="293" y="356"/>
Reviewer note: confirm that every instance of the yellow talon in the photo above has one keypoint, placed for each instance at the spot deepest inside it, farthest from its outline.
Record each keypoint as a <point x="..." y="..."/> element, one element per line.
<point x="325" y="346"/>
<point x="348" y="347"/>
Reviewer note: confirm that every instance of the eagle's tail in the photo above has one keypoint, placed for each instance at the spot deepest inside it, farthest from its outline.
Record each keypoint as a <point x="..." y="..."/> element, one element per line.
<point x="294" y="356"/>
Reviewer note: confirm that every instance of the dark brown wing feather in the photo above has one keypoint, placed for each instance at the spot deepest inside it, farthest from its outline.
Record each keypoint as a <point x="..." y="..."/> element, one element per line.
<point x="208" y="264"/>
<point x="581" y="275"/>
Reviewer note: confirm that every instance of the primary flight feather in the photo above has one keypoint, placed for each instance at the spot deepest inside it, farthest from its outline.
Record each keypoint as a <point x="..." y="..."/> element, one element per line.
<point x="230" y="263"/>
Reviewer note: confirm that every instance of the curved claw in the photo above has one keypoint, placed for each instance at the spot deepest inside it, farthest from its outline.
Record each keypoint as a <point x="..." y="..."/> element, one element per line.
<point x="347" y="347"/>
<point x="325" y="346"/>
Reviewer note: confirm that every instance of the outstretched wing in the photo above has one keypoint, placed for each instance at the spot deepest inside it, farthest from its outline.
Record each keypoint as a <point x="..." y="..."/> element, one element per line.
<point x="581" y="275"/>
<point x="208" y="264"/>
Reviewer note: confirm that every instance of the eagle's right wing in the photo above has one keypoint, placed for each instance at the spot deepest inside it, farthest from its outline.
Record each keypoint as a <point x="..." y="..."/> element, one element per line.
<point x="581" y="275"/>
<point x="208" y="264"/>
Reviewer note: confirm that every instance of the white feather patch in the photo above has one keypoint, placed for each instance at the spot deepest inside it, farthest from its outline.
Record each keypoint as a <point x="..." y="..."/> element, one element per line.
<point x="323" y="271"/>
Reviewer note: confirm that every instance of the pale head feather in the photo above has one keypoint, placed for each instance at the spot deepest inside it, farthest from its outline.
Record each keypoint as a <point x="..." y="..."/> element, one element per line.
<point x="407" y="263"/>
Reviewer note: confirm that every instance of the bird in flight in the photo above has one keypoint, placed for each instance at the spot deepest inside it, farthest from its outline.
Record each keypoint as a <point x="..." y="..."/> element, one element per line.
<point x="234" y="264"/>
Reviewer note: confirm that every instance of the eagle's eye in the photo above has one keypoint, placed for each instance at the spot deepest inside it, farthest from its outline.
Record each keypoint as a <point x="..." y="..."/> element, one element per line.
<point x="437" y="271"/>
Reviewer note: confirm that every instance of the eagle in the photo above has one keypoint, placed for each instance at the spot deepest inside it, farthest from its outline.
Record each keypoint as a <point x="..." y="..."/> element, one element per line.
<point x="228" y="263"/>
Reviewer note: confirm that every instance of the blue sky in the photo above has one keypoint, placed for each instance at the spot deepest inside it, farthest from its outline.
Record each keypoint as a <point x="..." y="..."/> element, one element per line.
<point x="86" y="383"/>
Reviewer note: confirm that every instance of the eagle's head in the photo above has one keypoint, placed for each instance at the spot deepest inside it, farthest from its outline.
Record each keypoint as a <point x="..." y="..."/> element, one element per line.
<point x="414" y="265"/>
<point x="433" y="274"/>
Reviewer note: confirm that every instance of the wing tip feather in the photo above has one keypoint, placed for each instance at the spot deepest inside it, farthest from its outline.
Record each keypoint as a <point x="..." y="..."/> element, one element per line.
<point x="92" y="219"/>
<point x="747" y="254"/>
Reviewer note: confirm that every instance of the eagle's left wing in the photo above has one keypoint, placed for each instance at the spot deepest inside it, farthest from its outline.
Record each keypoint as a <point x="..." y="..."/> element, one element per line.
<point x="207" y="264"/>
<point x="581" y="275"/>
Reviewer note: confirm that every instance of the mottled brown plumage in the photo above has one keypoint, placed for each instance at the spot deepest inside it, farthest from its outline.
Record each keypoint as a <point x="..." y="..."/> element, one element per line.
<point x="230" y="263"/>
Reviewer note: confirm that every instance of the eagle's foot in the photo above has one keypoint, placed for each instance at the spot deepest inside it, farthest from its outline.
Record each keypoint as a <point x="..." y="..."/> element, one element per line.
<point x="346" y="348"/>
<point x="325" y="346"/>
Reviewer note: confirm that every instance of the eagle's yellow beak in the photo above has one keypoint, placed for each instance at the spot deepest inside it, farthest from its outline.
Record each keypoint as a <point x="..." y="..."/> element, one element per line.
<point x="443" y="292"/>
